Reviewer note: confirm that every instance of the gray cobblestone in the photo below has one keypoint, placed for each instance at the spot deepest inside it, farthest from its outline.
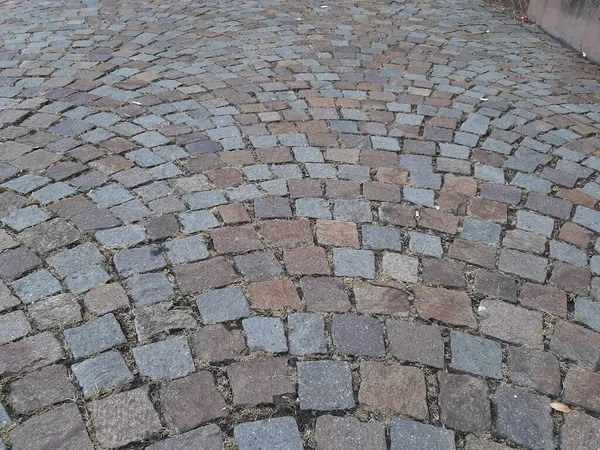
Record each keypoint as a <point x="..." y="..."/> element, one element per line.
<point x="222" y="305"/>
<point x="104" y="372"/>
<point x="139" y="260"/>
<point x="25" y="218"/>
<point x="354" y="263"/>
<point x="423" y="197"/>
<point x="426" y="244"/>
<point x="588" y="312"/>
<point x="409" y="435"/>
<point x="325" y="385"/>
<point x="275" y="434"/>
<point x="110" y="195"/>
<point x="36" y="286"/>
<point x="165" y="360"/>
<point x="481" y="231"/>
<point x="381" y="238"/>
<point x="121" y="237"/>
<point x="94" y="337"/>
<point x="476" y="355"/>
<point x="568" y="253"/>
<point x="265" y="334"/>
<point x="588" y="218"/>
<point x="184" y="250"/>
<point x="306" y="334"/>
<point x="85" y="279"/>
<point x="314" y="208"/>
<point x="149" y="288"/>
<point x="535" y="223"/>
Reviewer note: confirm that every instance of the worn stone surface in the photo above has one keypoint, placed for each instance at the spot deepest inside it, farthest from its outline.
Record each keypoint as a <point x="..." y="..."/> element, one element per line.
<point x="155" y="319"/>
<point x="443" y="273"/>
<point x="277" y="434"/>
<point x="35" y="286"/>
<point x="209" y="437"/>
<point x="275" y="294"/>
<point x="139" y="260"/>
<point x="222" y="305"/>
<point x="105" y="299"/>
<point x="476" y="443"/>
<point x="393" y="388"/>
<point x="7" y="299"/>
<point x="260" y="266"/>
<point x="149" y="288"/>
<point x="464" y="403"/>
<point x="524" y="418"/>
<point x="306" y="261"/>
<point x="103" y="372"/>
<point x="263" y="381"/>
<point x="354" y="263"/>
<point x="544" y="298"/>
<point x="581" y="388"/>
<point x="588" y="313"/>
<point x="13" y="326"/>
<point x="339" y="433"/>
<point x="265" y="334"/>
<point x="336" y="233"/>
<point x="39" y="389"/>
<point x="448" y="306"/>
<point x="415" y="342"/>
<point x="124" y="418"/>
<point x="511" y="323"/>
<point x="165" y="360"/>
<point x="380" y="298"/>
<point x="409" y="435"/>
<point x="306" y="334"/>
<point x="325" y="385"/>
<point x="577" y="343"/>
<point x="250" y="190"/>
<point x="400" y="267"/>
<point x="59" y="428"/>
<point x="525" y="265"/>
<point x="50" y="235"/>
<point x="496" y="285"/>
<point x="94" y="337"/>
<point x="570" y="278"/>
<point x="579" y="431"/>
<point x="29" y="354"/>
<point x="197" y="277"/>
<point x="358" y="336"/>
<point x="534" y="369"/>
<point x="191" y="401"/>
<point x="325" y="294"/>
<point x="216" y="343"/>
<point x="476" y="355"/>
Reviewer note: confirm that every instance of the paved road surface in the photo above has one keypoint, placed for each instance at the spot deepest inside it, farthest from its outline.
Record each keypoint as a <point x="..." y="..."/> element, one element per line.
<point x="356" y="225"/>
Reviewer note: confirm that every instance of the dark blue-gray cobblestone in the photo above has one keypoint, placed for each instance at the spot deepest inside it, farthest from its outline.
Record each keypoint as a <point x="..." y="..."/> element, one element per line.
<point x="165" y="360"/>
<point x="106" y="371"/>
<point x="94" y="337"/>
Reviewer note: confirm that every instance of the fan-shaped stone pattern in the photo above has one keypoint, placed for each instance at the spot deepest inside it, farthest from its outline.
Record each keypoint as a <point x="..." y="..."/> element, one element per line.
<point x="254" y="221"/>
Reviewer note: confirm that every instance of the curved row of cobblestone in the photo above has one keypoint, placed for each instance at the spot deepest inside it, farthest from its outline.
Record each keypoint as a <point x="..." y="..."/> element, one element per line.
<point x="296" y="225"/>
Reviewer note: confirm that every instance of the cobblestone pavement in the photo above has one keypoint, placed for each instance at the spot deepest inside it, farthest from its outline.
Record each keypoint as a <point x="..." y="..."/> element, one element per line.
<point x="278" y="225"/>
